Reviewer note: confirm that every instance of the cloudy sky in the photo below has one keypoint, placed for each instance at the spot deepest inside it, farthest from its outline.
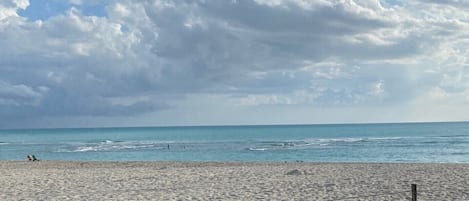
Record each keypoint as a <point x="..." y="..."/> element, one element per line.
<point x="93" y="63"/>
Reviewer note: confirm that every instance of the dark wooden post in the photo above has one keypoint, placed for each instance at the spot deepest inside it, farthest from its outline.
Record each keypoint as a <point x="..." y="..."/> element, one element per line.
<point x="414" y="192"/>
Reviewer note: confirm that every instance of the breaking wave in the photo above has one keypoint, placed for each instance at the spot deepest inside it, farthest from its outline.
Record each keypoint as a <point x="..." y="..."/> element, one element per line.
<point x="314" y="143"/>
<point x="109" y="145"/>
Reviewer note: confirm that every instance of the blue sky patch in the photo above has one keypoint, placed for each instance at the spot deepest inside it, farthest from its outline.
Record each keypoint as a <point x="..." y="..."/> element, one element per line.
<point x="44" y="9"/>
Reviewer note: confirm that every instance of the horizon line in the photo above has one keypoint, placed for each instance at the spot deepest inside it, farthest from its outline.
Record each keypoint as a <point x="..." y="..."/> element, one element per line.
<point x="236" y="125"/>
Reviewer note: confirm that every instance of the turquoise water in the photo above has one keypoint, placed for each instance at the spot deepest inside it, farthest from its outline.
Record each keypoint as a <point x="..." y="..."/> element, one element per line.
<point x="409" y="142"/>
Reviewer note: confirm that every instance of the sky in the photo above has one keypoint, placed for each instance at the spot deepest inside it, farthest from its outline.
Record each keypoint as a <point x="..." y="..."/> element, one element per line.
<point x="106" y="63"/>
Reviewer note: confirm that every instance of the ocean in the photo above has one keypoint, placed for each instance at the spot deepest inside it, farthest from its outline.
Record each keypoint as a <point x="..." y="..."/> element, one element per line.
<point x="393" y="142"/>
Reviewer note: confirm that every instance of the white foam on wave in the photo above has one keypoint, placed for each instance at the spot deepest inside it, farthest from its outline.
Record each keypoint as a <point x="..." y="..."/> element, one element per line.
<point x="306" y="144"/>
<point x="383" y="138"/>
<point x="331" y="140"/>
<point x="85" y="149"/>
<point x="285" y="145"/>
<point x="257" y="149"/>
<point x="108" y="142"/>
<point x="109" y="145"/>
<point x="350" y="139"/>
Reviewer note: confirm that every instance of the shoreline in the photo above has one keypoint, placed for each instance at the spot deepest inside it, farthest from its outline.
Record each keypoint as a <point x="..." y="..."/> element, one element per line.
<point x="172" y="180"/>
<point x="228" y="162"/>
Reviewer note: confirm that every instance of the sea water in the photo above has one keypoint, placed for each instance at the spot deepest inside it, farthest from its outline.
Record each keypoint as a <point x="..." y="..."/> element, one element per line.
<point x="397" y="142"/>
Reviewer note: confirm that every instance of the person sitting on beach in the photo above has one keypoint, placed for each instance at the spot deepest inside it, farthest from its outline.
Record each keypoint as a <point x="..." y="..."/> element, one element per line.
<point x="29" y="157"/>
<point x="34" y="158"/>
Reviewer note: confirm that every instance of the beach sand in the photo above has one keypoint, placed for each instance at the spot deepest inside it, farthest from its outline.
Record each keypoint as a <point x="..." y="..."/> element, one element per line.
<point x="54" y="180"/>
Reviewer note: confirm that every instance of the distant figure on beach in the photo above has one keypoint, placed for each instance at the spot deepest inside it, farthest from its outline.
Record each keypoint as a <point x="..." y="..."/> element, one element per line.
<point x="31" y="158"/>
<point x="168" y="146"/>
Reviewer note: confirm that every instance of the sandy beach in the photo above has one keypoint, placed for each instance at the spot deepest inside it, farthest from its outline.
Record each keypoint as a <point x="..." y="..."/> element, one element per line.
<point x="54" y="180"/>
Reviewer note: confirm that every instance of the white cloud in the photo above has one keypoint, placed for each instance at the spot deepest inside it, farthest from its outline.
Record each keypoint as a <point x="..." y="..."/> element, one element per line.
<point x="8" y="8"/>
<point x="143" y="56"/>
<point x="76" y="2"/>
